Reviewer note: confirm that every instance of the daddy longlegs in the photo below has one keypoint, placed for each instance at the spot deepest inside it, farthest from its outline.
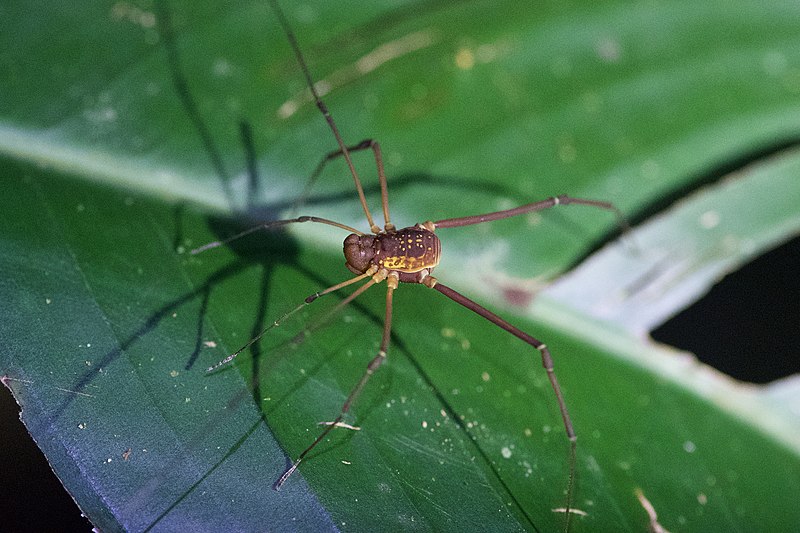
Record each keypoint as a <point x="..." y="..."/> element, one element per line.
<point x="396" y="256"/>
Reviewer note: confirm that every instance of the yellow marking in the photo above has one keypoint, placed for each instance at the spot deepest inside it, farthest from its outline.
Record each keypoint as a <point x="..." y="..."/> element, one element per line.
<point x="400" y="262"/>
<point x="405" y="263"/>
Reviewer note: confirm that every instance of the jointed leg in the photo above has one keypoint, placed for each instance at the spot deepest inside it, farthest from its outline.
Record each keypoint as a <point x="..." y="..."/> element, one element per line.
<point x="530" y="208"/>
<point x="325" y="112"/>
<point x="307" y="301"/>
<point x="547" y="362"/>
<point x="373" y="365"/>
<point x="363" y="145"/>
<point x="272" y="225"/>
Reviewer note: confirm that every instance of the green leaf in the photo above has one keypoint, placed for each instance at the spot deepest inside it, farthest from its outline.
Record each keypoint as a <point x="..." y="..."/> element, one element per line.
<point x="109" y="323"/>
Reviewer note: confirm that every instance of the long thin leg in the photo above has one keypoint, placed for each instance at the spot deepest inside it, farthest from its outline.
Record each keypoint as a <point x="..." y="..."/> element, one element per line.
<point x="547" y="362"/>
<point x="325" y="112"/>
<point x="363" y="145"/>
<point x="272" y="225"/>
<point x="530" y="208"/>
<point x="373" y="365"/>
<point x="307" y="301"/>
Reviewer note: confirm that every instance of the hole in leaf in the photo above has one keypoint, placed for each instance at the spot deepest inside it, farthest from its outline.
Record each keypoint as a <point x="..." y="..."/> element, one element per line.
<point x="748" y="325"/>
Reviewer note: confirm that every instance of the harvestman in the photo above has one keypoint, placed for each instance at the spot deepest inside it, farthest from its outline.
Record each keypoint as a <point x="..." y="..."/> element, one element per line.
<point x="406" y="255"/>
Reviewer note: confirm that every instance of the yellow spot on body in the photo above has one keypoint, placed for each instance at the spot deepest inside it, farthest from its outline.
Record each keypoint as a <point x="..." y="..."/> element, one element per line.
<point x="402" y="263"/>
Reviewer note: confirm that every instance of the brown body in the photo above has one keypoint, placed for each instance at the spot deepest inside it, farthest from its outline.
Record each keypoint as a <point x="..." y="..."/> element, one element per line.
<point x="410" y="254"/>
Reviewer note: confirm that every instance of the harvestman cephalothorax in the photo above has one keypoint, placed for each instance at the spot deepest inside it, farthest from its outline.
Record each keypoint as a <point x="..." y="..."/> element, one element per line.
<point x="406" y="255"/>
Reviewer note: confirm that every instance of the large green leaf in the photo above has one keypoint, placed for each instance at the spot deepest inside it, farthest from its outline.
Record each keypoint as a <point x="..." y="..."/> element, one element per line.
<point x="109" y="323"/>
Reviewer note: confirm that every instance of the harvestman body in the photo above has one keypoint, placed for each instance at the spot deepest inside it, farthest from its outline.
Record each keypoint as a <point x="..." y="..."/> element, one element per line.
<point x="396" y="256"/>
